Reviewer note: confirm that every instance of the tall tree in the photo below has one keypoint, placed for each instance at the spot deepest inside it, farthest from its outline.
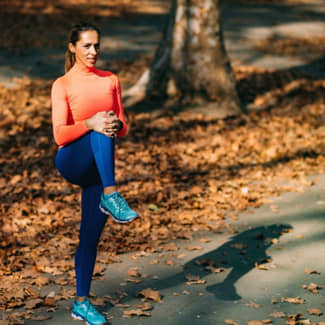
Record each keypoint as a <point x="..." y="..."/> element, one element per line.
<point x="190" y="60"/>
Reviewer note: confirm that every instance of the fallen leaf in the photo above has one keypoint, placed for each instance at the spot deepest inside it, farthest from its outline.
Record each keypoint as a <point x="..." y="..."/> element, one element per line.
<point x="171" y="247"/>
<point x="278" y="314"/>
<point x="238" y="245"/>
<point x="193" y="248"/>
<point x="99" y="270"/>
<point x="312" y="287"/>
<point x="295" y="300"/>
<point x="253" y="305"/>
<point x="311" y="271"/>
<point x="136" y="281"/>
<point x="154" y="261"/>
<point x="121" y="305"/>
<point x="146" y="306"/>
<point x="315" y="311"/>
<point x="230" y="322"/>
<point x="153" y="207"/>
<point x="32" y="303"/>
<point x="261" y="266"/>
<point x="134" y="272"/>
<point x="150" y="295"/>
<point x="205" y="240"/>
<point x="99" y="301"/>
<point x="194" y="279"/>
<point x="41" y="317"/>
<point x="136" y="312"/>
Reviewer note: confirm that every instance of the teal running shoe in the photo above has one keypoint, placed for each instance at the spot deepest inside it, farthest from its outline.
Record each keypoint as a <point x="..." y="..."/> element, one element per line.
<point x="84" y="310"/>
<point x="115" y="205"/>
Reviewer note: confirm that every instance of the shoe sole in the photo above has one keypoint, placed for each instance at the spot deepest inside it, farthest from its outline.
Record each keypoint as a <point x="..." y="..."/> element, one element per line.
<point x="116" y="220"/>
<point x="76" y="317"/>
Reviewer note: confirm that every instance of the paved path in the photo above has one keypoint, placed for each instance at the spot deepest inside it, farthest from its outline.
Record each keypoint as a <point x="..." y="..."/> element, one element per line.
<point x="243" y="25"/>
<point x="242" y="292"/>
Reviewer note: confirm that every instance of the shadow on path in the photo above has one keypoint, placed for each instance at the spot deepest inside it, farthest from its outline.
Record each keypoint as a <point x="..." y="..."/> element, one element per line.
<point x="242" y="253"/>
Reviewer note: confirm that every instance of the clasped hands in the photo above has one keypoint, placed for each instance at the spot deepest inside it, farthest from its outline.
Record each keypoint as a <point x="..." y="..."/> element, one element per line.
<point x="105" y="122"/>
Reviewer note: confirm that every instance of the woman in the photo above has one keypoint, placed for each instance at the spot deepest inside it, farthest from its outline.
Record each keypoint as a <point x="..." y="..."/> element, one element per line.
<point x="87" y="114"/>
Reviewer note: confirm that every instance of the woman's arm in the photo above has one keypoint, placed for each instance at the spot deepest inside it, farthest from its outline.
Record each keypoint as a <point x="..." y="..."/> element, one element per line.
<point x="62" y="131"/>
<point x="119" y="107"/>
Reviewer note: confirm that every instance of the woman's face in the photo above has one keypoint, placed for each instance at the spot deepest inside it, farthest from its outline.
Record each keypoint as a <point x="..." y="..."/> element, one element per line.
<point x="87" y="48"/>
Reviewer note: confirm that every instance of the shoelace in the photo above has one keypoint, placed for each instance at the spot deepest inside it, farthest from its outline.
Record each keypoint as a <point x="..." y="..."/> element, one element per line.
<point x="92" y="309"/>
<point x="121" y="202"/>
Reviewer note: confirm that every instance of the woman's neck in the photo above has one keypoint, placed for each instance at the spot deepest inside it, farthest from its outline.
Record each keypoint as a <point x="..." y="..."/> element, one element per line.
<point x="80" y="67"/>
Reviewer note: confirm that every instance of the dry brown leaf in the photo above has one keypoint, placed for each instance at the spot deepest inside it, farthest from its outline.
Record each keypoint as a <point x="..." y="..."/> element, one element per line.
<point x="99" y="270"/>
<point x="253" y="305"/>
<point x="312" y="287"/>
<point x="136" y="312"/>
<point x="146" y="306"/>
<point x="99" y="301"/>
<point x="41" y="317"/>
<point x="254" y="322"/>
<point x="150" y="295"/>
<point x="154" y="261"/>
<point x="193" y="248"/>
<point x="170" y="247"/>
<point x="194" y="279"/>
<point x="315" y="311"/>
<point x="295" y="300"/>
<point x="205" y="240"/>
<point x="121" y="306"/>
<point x="230" y="322"/>
<point x="262" y="266"/>
<point x="238" y="245"/>
<point x="32" y="303"/>
<point x="278" y="314"/>
<point x="311" y="271"/>
<point x="134" y="272"/>
<point x="49" y="301"/>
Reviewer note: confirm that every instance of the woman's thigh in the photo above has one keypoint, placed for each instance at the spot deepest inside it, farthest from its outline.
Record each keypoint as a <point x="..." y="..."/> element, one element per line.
<point x="76" y="163"/>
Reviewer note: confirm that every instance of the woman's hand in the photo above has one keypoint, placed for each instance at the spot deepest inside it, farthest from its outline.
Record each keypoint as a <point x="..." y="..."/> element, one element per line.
<point x="105" y="122"/>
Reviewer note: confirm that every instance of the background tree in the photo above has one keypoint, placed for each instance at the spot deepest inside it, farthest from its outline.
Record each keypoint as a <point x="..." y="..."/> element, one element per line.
<point x="191" y="61"/>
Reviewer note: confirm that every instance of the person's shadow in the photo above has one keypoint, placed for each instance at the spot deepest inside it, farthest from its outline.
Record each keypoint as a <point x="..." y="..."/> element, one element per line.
<point x="242" y="253"/>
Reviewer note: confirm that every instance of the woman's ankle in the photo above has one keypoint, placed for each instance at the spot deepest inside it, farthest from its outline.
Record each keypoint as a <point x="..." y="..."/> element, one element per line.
<point x="110" y="189"/>
<point x="81" y="299"/>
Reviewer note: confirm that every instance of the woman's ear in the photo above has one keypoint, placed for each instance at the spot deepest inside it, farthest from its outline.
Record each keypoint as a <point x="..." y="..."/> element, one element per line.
<point x="72" y="48"/>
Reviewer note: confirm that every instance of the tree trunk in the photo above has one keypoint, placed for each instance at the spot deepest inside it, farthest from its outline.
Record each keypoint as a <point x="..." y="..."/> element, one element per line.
<point x="191" y="61"/>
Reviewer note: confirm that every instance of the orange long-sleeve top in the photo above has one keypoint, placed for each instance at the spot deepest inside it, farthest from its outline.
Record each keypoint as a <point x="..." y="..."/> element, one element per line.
<point x="78" y="95"/>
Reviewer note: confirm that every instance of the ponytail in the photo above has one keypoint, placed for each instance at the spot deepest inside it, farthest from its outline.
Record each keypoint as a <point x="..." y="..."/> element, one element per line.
<point x="74" y="36"/>
<point x="70" y="59"/>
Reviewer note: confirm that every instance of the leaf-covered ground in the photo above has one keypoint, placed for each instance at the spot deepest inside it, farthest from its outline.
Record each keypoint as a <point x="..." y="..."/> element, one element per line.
<point x="182" y="173"/>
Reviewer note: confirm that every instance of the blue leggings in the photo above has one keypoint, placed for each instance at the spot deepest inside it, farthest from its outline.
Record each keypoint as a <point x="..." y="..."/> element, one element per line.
<point x="89" y="163"/>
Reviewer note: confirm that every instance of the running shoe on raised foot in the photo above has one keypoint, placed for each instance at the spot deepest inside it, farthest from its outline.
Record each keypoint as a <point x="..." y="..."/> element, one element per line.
<point x="115" y="205"/>
<point x="84" y="310"/>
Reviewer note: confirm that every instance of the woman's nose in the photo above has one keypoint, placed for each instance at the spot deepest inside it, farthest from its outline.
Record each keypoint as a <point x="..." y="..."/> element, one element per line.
<point x="93" y="50"/>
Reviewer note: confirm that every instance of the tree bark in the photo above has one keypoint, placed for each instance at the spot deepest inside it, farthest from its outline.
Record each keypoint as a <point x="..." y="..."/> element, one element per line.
<point x="190" y="61"/>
